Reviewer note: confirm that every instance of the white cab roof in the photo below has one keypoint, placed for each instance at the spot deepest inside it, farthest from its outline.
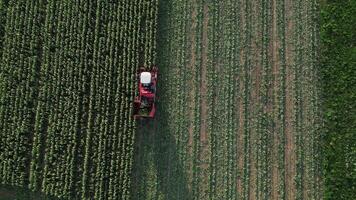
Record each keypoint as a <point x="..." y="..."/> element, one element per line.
<point x="145" y="77"/>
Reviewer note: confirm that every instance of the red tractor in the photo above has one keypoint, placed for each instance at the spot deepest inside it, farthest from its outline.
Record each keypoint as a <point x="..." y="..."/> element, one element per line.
<point x="144" y="104"/>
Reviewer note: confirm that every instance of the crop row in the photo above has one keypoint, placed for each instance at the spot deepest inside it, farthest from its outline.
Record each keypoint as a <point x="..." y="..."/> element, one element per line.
<point x="19" y="73"/>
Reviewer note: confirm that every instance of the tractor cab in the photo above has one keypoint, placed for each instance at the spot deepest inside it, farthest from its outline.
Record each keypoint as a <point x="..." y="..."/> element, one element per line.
<point x="144" y="104"/>
<point x="147" y="86"/>
<point x="145" y="79"/>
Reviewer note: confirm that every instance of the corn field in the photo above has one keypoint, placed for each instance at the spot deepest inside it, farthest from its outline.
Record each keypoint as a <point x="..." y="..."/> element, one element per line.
<point x="238" y="109"/>
<point x="67" y="80"/>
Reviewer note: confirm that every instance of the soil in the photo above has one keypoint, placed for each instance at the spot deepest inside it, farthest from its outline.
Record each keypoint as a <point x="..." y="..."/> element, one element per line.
<point x="290" y="156"/>
<point x="203" y="84"/>
<point x="274" y="46"/>
<point x="240" y="140"/>
<point x="204" y="156"/>
<point x="256" y="76"/>
<point x="192" y="65"/>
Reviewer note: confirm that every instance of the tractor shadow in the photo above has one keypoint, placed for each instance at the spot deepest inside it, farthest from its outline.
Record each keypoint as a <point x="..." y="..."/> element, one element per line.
<point x="158" y="172"/>
<point x="8" y="192"/>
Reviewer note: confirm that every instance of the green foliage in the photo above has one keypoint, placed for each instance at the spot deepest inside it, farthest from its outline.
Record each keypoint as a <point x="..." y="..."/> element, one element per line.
<point x="67" y="82"/>
<point x="338" y="38"/>
<point x="3" y="7"/>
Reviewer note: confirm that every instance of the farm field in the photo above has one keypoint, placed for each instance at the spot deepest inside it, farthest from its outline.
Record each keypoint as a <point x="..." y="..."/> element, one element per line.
<point x="238" y="112"/>
<point x="67" y="83"/>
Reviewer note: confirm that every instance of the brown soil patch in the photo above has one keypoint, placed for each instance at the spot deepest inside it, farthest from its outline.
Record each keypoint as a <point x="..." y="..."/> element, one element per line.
<point x="203" y="84"/>
<point x="204" y="146"/>
<point x="240" y="139"/>
<point x="274" y="46"/>
<point x="192" y="65"/>
<point x="290" y="156"/>
<point x="256" y="75"/>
